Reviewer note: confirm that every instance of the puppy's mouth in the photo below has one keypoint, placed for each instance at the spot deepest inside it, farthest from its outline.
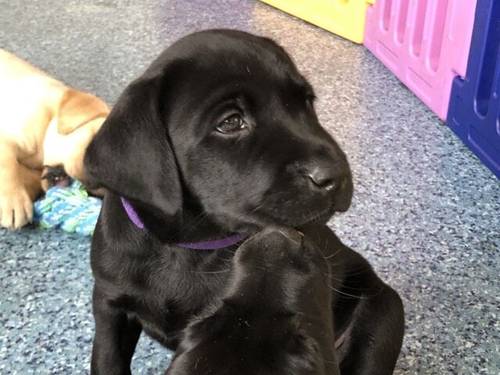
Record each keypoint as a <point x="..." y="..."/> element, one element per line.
<point x="287" y="209"/>
<point x="293" y="219"/>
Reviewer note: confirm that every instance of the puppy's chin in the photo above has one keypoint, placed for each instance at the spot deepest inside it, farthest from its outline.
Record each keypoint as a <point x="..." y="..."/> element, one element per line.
<point x="256" y="222"/>
<point x="306" y="207"/>
<point x="320" y="217"/>
<point x="295" y="213"/>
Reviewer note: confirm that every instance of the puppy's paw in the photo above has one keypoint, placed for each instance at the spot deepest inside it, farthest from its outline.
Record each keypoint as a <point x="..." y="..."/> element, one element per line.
<point x="16" y="208"/>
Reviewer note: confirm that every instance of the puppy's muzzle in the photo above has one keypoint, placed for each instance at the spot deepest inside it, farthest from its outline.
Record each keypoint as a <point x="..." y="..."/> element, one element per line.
<point x="325" y="176"/>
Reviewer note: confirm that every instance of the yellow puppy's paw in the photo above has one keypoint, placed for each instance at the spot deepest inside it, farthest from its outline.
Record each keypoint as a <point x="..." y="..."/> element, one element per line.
<point x="16" y="209"/>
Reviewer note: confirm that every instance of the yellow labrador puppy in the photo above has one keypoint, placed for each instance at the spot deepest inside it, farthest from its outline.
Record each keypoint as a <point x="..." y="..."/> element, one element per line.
<point x="42" y="123"/>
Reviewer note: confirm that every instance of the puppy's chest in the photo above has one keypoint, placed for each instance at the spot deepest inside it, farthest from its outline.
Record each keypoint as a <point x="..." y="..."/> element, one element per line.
<point x="174" y="293"/>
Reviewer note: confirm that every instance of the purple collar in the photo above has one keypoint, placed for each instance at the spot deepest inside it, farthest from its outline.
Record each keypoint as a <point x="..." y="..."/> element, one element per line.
<point x="202" y="245"/>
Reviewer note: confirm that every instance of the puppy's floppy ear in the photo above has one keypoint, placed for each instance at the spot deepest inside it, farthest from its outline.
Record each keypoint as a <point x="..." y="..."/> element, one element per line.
<point x="131" y="155"/>
<point x="78" y="108"/>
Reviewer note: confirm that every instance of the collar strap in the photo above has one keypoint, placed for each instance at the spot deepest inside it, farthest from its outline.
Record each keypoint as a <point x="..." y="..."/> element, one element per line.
<point x="132" y="213"/>
<point x="202" y="245"/>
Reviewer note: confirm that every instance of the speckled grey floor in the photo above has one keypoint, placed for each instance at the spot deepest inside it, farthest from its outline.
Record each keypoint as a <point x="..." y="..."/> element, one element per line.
<point x="425" y="213"/>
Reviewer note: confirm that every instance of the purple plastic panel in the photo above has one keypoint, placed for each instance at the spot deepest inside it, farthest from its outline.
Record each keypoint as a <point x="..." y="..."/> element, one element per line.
<point x="474" y="110"/>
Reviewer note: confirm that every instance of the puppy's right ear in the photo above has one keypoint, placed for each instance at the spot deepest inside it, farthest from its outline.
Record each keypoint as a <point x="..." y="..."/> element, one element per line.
<point x="78" y="108"/>
<point x="131" y="155"/>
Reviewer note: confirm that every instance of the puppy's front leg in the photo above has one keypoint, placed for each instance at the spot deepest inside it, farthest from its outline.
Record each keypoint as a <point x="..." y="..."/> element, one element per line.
<point x="376" y="335"/>
<point x="116" y="336"/>
<point x="19" y="187"/>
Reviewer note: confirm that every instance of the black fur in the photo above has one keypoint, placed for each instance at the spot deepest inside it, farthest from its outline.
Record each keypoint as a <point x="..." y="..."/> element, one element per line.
<point x="163" y="149"/>
<point x="274" y="319"/>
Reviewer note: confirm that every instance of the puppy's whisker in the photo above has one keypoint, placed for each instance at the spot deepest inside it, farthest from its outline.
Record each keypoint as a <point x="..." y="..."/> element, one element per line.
<point x="212" y="272"/>
<point x="256" y="208"/>
<point x="331" y="277"/>
<point x="199" y="218"/>
<point x="331" y="256"/>
<point x="196" y="221"/>
<point x="346" y="294"/>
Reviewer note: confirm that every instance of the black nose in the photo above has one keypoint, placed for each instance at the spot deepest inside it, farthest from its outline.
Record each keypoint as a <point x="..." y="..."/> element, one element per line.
<point x="323" y="176"/>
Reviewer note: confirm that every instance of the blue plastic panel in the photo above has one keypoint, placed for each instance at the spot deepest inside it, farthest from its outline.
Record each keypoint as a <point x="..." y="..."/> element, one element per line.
<point x="474" y="111"/>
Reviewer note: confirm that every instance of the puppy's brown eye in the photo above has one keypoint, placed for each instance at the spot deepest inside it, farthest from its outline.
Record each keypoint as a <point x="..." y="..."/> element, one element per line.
<point x="232" y="124"/>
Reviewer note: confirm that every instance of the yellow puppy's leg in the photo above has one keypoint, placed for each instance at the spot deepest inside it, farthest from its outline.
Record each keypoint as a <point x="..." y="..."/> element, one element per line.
<point x="19" y="186"/>
<point x="32" y="181"/>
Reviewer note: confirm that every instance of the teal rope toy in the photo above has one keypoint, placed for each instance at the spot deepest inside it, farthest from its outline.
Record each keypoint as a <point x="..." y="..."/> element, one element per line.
<point x="69" y="208"/>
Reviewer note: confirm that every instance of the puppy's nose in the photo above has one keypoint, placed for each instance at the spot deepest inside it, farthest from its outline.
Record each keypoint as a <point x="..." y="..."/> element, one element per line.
<point x="323" y="176"/>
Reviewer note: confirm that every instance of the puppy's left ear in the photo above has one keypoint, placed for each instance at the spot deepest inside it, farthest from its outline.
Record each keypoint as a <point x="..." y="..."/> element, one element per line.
<point x="78" y="108"/>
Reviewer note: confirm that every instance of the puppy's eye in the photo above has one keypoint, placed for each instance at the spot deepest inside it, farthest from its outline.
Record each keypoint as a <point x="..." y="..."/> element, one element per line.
<point x="232" y="125"/>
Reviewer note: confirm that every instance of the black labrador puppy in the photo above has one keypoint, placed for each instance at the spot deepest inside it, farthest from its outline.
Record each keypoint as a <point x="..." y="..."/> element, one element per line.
<point x="274" y="318"/>
<point x="215" y="141"/>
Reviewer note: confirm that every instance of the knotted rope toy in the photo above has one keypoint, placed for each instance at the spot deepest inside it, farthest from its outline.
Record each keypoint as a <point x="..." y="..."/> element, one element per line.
<point x="69" y="208"/>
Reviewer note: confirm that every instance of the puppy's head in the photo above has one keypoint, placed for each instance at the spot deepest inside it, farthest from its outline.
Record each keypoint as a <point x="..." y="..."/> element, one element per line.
<point x="77" y="119"/>
<point x="285" y="256"/>
<point x="274" y="278"/>
<point x="273" y="268"/>
<point x="222" y="121"/>
<point x="279" y="250"/>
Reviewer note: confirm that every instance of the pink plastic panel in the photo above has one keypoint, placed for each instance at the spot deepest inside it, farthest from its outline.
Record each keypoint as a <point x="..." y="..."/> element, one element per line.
<point x="425" y="43"/>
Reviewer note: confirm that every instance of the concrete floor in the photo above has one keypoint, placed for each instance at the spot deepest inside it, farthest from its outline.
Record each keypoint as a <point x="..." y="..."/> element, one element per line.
<point x="425" y="211"/>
